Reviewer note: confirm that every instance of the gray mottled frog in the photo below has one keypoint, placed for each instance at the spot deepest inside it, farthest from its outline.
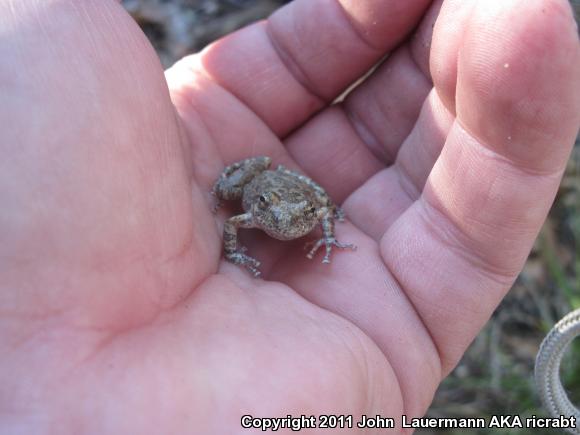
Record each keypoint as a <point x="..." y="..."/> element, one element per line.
<point x="284" y="204"/>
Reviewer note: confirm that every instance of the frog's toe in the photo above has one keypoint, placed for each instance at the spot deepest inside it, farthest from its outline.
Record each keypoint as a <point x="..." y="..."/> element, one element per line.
<point x="217" y="202"/>
<point x="344" y="245"/>
<point x="315" y="245"/>
<point x="238" y="257"/>
<point x="253" y="268"/>
<point x="252" y="265"/>
<point x="329" y="243"/>
<point x="309" y="246"/>
<point x="255" y="272"/>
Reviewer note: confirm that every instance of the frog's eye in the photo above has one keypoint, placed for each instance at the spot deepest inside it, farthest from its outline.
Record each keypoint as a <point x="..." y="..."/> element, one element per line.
<point x="263" y="201"/>
<point x="310" y="211"/>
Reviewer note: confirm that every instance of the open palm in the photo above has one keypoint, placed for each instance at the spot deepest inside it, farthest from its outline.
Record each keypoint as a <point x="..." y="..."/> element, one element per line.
<point x="118" y="313"/>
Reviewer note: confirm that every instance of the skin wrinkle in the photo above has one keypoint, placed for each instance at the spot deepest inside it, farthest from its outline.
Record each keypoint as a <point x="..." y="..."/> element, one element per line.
<point x="386" y="152"/>
<point x="181" y="253"/>
<point x="444" y="351"/>
<point x="374" y="188"/>
<point x="427" y="331"/>
<point x="25" y="337"/>
<point x="355" y="30"/>
<point x="364" y="366"/>
<point x="88" y="22"/>
<point x="413" y="58"/>
<point x="59" y="334"/>
<point x="178" y="95"/>
<point x="383" y="152"/>
<point x="365" y="134"/>
<point x="417" y="155"/>
<point x="351" y="154"/>
<point x="422" y="39"/>
<point x="44" y="304"/>
<point x="111" y="335"/>
<point x="292" y="66"/>
<point x="554" y="174"/>
<point x="407" y="184"/>
<point x="355" y="123"/>
<point x="183" y="141"/>
<point x="449" y="23"/>
<point x="416" y="67"/>
<point x="471" y="309"/>
<point x="451" y="235"/>
<point x="487" y="149"/>
<point x="476" y="149"/>
<point x="415" y="61"/>
<point x="41" y="26"/>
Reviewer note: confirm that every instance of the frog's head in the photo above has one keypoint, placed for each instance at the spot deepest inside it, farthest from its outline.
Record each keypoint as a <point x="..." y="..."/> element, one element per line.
<point x="282" y="219"/>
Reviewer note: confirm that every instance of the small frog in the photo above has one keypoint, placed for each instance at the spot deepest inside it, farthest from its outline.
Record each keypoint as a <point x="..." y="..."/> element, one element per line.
<point x="283" y="203"/>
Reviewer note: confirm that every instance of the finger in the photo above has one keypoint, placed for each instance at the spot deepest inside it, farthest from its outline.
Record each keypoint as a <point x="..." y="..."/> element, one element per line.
<point x="382" y="199"/>
<point x="220" y="128"/>
<point x="489" y="192"/>
<point x="450" y="24"/>
<point x="352" y="141"/>
<point x="288" y="67"/>
<point x="385" y="107"/>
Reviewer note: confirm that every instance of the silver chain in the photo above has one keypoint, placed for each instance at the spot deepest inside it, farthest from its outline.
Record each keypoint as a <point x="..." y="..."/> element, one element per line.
<point x="547" y="370"/>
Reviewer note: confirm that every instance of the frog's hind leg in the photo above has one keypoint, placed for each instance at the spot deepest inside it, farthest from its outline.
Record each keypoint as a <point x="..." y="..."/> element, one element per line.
<point x="339" y="213"/>
<point x="231" y="182"/>
<point x="232" y="252"/>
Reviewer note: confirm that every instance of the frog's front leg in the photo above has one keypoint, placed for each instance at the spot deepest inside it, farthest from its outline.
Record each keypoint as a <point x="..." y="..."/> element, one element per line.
<point x="328" y="239"/>
<point x="232" y="252"/>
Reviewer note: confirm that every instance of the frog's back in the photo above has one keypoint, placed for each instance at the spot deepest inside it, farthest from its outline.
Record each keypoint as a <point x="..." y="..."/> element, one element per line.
<point x="286" y="187"/>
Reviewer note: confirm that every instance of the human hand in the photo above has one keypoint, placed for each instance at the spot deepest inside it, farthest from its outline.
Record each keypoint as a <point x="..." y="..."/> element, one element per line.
<point x="119" y="314"/>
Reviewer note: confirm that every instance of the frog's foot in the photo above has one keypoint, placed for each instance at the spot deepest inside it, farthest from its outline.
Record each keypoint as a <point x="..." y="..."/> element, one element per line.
<point x="339" y="214"/>
<point x="329" y="243"/>
<point x="217" y="202"/>
<point x="242" y="259"/>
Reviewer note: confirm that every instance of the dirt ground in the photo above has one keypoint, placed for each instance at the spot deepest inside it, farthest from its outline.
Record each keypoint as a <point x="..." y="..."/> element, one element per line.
<point x="496" y="374"/>
<point x="179" y="27"/>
